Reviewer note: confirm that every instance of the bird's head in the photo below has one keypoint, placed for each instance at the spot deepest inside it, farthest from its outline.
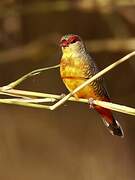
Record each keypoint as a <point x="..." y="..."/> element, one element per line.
<point x="71" y="43"/>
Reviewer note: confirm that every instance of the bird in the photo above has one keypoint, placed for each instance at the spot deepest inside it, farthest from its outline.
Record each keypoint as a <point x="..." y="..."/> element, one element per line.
<point x="76" y="67"/>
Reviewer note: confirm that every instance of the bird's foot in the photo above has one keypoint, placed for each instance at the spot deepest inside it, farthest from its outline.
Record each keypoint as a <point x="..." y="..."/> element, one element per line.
<point x="62" y="95"/>
<point x="91" y="104"/>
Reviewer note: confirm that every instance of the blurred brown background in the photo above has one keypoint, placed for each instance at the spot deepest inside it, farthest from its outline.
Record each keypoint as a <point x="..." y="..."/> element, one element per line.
<point x="71" y="142"/>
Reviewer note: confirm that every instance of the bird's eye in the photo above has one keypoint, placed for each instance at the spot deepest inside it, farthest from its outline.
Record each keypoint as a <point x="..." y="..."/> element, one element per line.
<point x="73" y="41"/>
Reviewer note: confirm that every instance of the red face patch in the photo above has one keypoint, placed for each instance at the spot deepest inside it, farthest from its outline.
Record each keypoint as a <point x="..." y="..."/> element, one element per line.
<point x="66" y="40"/>
<point x="74" y="38"/>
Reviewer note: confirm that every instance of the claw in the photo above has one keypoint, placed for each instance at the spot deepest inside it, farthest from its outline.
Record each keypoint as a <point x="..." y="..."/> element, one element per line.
<point x="62" y="95"/>
<point x="91" y="104"/>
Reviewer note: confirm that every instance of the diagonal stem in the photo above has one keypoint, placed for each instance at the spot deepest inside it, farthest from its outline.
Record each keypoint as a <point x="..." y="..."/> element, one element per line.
<point x="62" y="101"/>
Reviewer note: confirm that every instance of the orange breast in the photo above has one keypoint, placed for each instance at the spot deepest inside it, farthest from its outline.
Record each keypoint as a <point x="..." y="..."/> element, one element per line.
<point x="87" y="92"/>
<point x="73" y="75"/>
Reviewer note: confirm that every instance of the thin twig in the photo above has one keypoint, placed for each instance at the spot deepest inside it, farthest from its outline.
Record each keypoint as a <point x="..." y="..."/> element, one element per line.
<point x="26" y="76"/>
<point x="21" y="103"/>
<point x="115" y="107"/>
<point x="31" y="103"/>
<point x="35" y="100"/>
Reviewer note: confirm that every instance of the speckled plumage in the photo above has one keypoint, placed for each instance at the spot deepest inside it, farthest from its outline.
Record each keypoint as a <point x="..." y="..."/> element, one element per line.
<point x="74" y="71"/>
<point x="75" y="68"/>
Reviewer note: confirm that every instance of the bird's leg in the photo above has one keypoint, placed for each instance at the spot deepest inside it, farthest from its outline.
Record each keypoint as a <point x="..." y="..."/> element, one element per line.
<point x="91" y="104"/>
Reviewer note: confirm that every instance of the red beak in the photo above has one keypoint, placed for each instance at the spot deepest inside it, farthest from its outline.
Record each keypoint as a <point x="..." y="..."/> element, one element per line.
<point x="64" y="43"/>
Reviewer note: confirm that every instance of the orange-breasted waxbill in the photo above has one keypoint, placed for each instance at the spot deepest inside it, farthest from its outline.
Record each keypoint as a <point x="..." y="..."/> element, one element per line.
<point x="76" y="67"/>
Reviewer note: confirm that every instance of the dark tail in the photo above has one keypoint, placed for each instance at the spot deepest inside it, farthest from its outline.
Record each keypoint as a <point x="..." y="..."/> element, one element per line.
<point x="109" y="121"/>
